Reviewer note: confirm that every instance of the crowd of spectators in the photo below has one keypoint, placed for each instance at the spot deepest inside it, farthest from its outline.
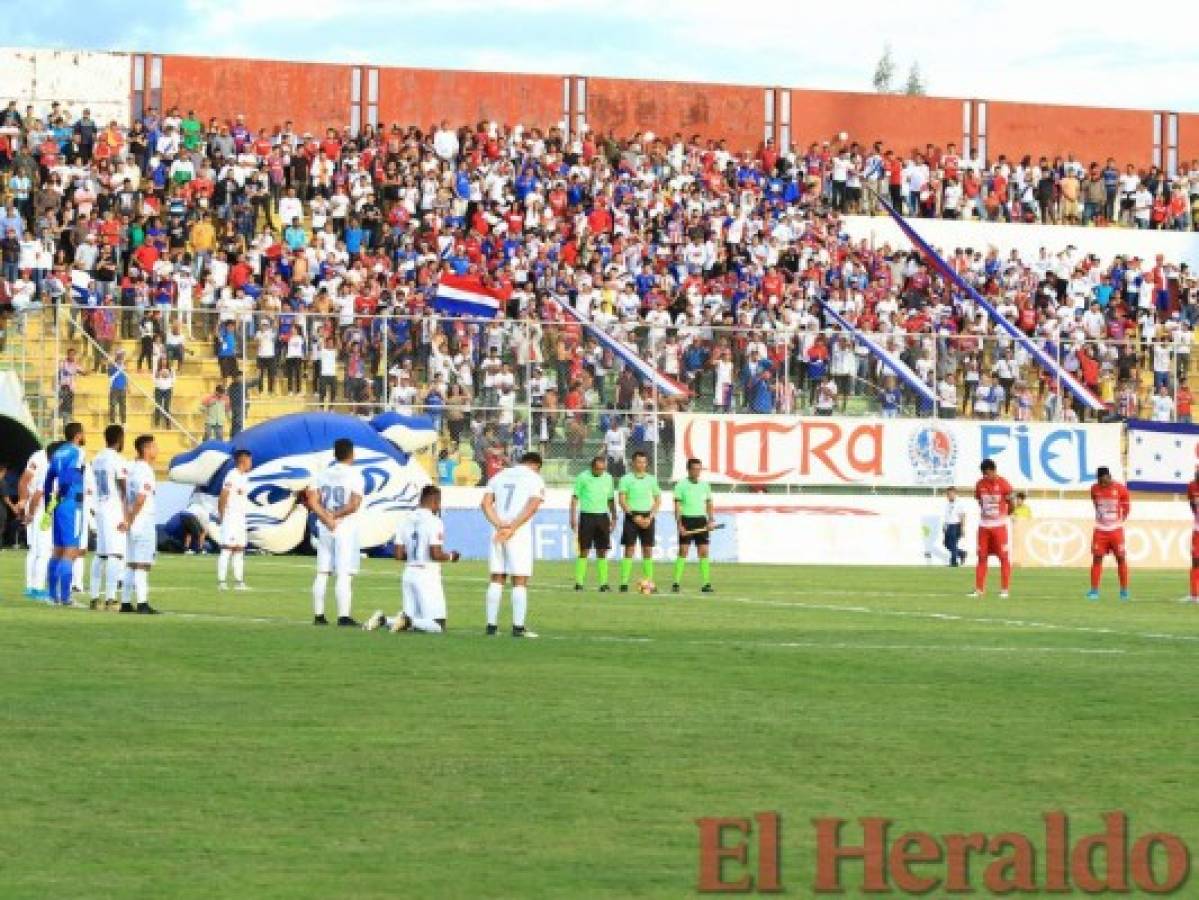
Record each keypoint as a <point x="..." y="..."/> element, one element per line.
<point x="309" y="262"/>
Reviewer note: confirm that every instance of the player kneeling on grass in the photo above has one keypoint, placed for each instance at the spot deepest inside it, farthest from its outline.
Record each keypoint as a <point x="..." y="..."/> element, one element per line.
<point x="1112" y="505"/>
<point x="421" y="542"/>
<point x="695" y="517"/>
<point x="231" y="507"/>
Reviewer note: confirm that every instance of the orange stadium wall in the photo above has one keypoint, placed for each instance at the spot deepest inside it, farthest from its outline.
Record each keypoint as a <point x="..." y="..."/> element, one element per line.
<point x="1090" y="133"/>
<point x="900" y="122"/>
<point x="424" y="97"/>
<point x="312" y="95"/>
<point x="318" y="95"/>
<point x="665" y="107"/>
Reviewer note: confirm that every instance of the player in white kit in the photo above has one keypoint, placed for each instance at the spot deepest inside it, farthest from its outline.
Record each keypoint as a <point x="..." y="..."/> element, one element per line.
<point x="89" y="528"/>
<point x="140" y="526"/>
<point x="231" y="507"/>
<point x="510" y="501"/>
<point x="335" y="500"/>
<point x="32" y="504"/>
<point x="420" y="540"/>
<point x="111" y="471"/>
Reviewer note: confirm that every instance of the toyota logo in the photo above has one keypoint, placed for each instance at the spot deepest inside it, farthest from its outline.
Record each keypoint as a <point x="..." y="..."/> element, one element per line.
<point x="1056" y="543"/>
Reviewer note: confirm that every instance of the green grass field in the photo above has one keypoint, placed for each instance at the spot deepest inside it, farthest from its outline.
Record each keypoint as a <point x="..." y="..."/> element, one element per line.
<point x="230" y="749"/>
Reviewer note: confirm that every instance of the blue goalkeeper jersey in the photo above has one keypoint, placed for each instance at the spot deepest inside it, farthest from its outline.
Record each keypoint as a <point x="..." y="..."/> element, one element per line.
<point x="64" y="476"/>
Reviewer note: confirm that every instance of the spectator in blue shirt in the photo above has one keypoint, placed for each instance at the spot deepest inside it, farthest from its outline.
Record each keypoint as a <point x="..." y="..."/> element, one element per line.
<point x="226" y="352"/>
<point x="761" y="392"/>
<point x="118" y="389"/>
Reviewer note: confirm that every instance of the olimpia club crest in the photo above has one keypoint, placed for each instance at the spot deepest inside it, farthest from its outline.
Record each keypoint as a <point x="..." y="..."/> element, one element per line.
<point x="933" y="454"/>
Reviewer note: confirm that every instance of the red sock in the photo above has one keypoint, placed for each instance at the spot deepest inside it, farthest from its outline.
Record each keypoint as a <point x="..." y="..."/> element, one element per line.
<point x="1005" y="571"/>
<point x="980" y="575"/>
<point x="1122" y="570"/>
<point x="1195" y="582"/>
<point x="1096" y="573"/>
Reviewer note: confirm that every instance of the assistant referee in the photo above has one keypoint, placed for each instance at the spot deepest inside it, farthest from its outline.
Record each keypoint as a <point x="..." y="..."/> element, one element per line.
<point x="694" y="515"/>
<point x="640" y="498"/>
<point x="592" y="518"/>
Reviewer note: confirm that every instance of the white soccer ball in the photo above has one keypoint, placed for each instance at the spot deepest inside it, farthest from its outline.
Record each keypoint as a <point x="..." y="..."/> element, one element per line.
<point x="843" y="136"/>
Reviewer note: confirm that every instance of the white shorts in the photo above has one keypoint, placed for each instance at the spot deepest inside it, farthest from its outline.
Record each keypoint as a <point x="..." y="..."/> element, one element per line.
<point x="233" y="532"/>
<point x="337" y="551"/>
<point x="143" y="548"/>
<point x="514" y="557"/>
<point x="110" y="540"/>
<point x="424" y="596"/>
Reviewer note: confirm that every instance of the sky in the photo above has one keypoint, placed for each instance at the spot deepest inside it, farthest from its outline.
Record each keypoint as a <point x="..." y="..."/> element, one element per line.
<point x="1062" y="51"/>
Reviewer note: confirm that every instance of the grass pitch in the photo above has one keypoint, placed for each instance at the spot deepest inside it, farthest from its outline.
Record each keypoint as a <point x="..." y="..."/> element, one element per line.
<point x="231" y="749"/>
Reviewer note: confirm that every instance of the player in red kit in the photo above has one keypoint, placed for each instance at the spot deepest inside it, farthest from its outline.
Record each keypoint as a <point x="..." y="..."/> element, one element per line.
<point x="994" y="496"/>
<point x="1112" y="505"/>
<point x="1193" y="499"/>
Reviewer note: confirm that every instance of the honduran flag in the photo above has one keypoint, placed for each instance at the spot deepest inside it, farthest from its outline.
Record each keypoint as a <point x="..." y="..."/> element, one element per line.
<point x="889" y="359"/>
<point x="628" y="356"/>
<point x="960" y="286"/>
<point x="467" y="295"/>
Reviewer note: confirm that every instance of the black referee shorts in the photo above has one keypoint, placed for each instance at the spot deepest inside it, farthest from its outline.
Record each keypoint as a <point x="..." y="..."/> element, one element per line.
<point x="690" y="523"/>
<point x="632" y="534"/>
<point x="595" y="532"/>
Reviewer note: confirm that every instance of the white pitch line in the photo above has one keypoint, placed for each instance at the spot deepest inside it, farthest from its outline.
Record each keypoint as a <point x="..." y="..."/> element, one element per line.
<point x="953" y="617"/>
<point x="734" y="642"/>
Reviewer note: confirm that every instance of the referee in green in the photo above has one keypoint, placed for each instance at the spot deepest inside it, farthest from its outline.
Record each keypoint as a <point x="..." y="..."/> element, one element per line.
<point x="694" y="515"/>
<point x="592" y="519"/>
<point x="640" y="498"/>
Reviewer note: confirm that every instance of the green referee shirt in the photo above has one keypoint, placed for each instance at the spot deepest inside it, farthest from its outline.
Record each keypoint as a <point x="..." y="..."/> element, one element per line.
<point x="692" y="497"/>
<point x="640" y="492"/>
<point x="594" y="491"/>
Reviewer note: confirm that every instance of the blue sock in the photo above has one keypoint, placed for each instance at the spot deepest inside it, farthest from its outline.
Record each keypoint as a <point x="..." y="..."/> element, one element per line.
<point x="66" y="574"/>
<point x="52" y="577"/>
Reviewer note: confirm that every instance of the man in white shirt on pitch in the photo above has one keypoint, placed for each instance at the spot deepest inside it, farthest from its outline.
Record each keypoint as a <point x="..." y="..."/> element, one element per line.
<point x="335" y="500"/>
<point x="420" y="541"/>
<point x="140" y="526"/>
<point x="510" y="501"/>
<point x="231" y="508"/>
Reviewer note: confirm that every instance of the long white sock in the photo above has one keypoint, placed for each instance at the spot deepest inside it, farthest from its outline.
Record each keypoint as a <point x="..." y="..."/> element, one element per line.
<point x="41" y="561"/>
<point x="495" y="593"/>
<point x="127" y="587"/>
<point x="112" y="576"/>
<point x="77" y="573"/>
<point x="318" y="593"/>
<point x="239" y="567"/>
<point x="222" y="565"/>
<point x="520" y="605"/>
<point x="344" y="595"/>
<point x="141" y="585"/>
<point x="96" y="582"/>
<point x="30" y="569"/>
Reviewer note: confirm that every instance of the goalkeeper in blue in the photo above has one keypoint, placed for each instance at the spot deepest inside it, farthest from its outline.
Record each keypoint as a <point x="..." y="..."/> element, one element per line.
<point x="64" y="490"/>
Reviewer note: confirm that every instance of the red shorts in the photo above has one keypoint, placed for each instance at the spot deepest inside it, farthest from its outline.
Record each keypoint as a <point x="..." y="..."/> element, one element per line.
<point x="992" y="541"/>
<point x="1105" y="542"/>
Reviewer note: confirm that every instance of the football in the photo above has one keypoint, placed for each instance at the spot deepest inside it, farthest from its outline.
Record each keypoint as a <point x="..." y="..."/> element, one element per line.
<point x="646" y="586"/>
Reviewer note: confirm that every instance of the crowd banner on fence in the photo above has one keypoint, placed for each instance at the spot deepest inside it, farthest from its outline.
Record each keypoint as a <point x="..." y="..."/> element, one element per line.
<point x="627" y="355"/>
<point x="1162" y="456"/>
<point x="826" y="451"/>
<point x="890" y="360"/>
<point x="1046" y="362"/>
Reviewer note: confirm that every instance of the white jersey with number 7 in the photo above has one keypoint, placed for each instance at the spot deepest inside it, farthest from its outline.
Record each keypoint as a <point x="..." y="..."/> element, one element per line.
<point x="512" y="489"/>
